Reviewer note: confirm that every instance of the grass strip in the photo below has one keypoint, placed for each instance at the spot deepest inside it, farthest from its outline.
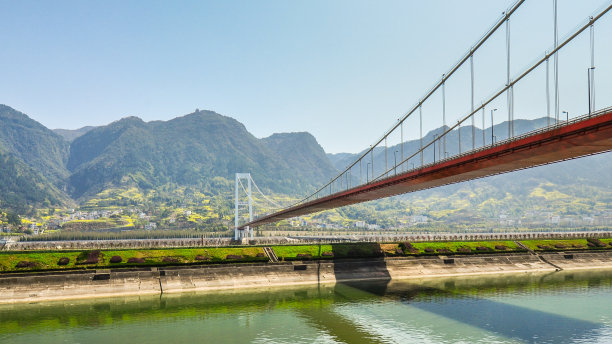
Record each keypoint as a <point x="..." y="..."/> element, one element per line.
<point x="48" y="260"/>
<point x="94" y="259"/>
<point x="568" y="244"/>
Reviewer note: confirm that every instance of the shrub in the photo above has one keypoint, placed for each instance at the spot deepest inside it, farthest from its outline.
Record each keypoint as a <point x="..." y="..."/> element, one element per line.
<point x="92" y="257"/>
<point x="443" y="250"/>
<point x="429" y="250"/>
<point x="170" y="260"/>
<point x="116" y="259"/>
<point x="327" y="254"/>
<point x="501" y="247"/>
<point x="406" y="246"/>
<point x="399" y="251"/>
<point x="201" y="257"/>
<point x="482" y="248"/>
<point x="595" y="242"/>
<point x="260" y="255"/>
<point x="233" y="256"/>
<point x="25" y="264"/>
<point x="464" y="249"/>
<point x="544" y="247"/>
<point x="63" y="261"/>
<point x="304" y="255"/>
<point x="136" y="260"/>
<point x="560" y="246"/>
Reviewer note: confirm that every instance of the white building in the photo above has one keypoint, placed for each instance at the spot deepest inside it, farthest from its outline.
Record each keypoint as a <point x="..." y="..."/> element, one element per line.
<point x="360" y="224"/>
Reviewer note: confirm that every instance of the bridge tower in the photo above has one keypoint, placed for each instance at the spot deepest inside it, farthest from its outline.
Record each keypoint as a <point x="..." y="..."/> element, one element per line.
<point x="242" y="233"/>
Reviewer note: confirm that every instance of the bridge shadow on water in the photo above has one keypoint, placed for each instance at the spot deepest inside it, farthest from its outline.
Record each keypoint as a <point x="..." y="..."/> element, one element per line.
<point x="460" y="302"/>
<point x="350" y="290"/>
<point x="511" y="321"/>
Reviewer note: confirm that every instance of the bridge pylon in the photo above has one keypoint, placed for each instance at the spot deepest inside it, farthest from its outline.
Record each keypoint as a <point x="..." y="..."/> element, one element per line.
<point x="246" y="232"/>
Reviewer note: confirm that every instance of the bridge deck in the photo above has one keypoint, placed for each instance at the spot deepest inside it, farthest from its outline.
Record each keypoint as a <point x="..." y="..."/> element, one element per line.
<point x="586" y="136"/>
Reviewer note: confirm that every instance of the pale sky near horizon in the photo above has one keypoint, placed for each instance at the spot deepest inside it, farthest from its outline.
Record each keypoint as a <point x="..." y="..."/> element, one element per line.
<point x="342" y="70"/>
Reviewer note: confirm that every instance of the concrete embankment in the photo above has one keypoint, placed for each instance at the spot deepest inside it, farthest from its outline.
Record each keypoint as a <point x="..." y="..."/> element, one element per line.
<point x="65" y="285"/>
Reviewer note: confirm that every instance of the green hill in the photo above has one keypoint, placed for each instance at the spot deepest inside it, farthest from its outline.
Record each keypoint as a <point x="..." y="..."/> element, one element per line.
<point x="201" y="151"/>
<point x="34" y="144"/>
<point x="22" y="188"/>
<point x="189" y="150"/>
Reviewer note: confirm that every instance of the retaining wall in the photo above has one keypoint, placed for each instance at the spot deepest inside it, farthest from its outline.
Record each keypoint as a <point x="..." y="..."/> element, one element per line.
<point x="99" y="283"/>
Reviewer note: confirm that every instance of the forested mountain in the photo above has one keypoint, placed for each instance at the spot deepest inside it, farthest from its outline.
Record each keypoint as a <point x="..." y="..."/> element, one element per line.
<point x="34" y="144"/>
<point x="22" y="188"/>
<point x="189" y="151"/>
<point x="303" y="154"/>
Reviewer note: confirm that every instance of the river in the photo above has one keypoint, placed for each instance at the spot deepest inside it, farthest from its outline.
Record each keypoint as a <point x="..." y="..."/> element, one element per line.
<point x="561" y="307"/>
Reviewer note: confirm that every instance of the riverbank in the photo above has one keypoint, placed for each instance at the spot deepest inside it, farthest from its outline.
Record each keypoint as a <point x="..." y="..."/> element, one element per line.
<point x="57" y="285"/>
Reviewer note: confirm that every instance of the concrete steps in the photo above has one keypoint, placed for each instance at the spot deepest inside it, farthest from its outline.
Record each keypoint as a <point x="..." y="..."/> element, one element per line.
<point x="271" y="254"/>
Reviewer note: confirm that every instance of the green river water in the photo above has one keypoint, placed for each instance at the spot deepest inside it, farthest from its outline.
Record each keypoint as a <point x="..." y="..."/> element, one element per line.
<point x="562" y="307"/>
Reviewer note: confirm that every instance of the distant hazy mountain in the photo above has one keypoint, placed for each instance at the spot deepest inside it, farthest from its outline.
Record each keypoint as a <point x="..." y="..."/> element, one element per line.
<point x="393" y="153"/>
<point x="71" y="134"/>
<point x="593" y="169"/>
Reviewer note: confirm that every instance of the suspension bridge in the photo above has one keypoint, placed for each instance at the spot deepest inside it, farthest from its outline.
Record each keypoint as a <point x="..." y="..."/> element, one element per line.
<point x="503" y="151"/>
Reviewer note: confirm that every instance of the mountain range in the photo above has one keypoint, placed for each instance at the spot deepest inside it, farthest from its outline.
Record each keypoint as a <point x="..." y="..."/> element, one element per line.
<point x="71" y="166"/>
<point x="201" y="151"/>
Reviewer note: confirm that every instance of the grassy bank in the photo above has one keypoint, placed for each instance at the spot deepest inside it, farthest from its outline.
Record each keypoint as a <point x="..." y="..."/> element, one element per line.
<point x="328" y="251"/>
<point x="92" y="259"/>
<point x="568" y="245"/>
<point x="53" y="260"/>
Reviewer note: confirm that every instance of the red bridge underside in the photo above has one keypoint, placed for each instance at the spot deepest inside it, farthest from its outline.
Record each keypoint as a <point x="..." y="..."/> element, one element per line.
<point x="589" y="136"/>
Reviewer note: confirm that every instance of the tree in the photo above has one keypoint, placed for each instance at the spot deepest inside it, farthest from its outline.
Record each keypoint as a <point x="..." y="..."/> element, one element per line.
<point x="12" y="218"/>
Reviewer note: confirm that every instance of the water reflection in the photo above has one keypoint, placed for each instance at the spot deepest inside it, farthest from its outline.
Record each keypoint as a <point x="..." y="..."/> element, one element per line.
<point x="561" y="307"/>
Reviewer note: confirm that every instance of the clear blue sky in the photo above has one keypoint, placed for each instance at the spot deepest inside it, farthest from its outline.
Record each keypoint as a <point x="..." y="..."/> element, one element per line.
<point x="342" y="70"/>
